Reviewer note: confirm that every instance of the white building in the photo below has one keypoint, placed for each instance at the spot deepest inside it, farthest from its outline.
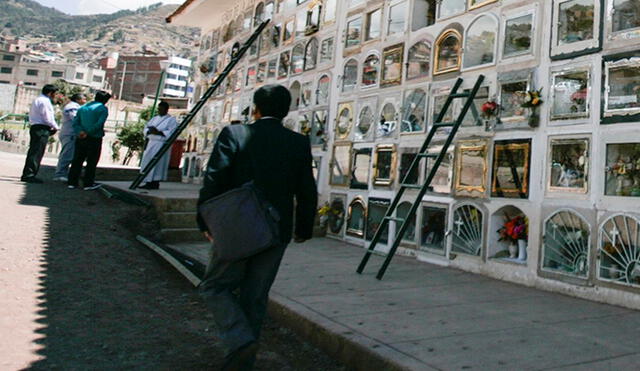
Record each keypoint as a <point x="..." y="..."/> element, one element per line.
<point x="177" y="77"/>
<point x="369" y="76"/>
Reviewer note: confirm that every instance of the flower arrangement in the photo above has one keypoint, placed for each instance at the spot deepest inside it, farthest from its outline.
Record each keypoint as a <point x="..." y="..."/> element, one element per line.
<point x="514" y="229"/>
<point x="490" y="109"/>
<point x="532" y="99"/>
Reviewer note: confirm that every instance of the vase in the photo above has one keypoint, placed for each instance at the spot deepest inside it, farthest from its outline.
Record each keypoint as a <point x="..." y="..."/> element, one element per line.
<point x="513" y="250"/>
<point x="522" y="250"/>
<point x="534" y="119"/>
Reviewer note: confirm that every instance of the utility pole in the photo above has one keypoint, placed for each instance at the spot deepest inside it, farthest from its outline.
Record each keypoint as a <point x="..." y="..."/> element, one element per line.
<point x="124" y="72"/>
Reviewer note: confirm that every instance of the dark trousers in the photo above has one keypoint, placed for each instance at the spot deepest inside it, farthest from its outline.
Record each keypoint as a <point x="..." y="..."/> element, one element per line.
<point x="239" y="316"/>
<point x="87" y="149"/>
<point x="38" y="141"/>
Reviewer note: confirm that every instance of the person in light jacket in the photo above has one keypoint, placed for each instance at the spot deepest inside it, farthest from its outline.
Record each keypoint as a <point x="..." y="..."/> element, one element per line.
<point x="157" y="130"/>
<point x="68" y="137"/>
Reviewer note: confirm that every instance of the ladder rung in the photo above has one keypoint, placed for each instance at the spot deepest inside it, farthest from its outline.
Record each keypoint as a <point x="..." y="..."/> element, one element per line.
<point x="428" y="155"/>
<point x="379" y="253"/>
<point x="394" y="219"/>
<point x="443" y="124"/>
<point x="411" y="186"/>
<point x="460" y="95"/>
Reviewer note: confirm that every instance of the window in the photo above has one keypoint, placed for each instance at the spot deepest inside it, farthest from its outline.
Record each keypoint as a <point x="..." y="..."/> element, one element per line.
<point x="622" y="173"/>
<point x="577" y="27"/>
<point x="467" y="230"/>
<point x="360" y="168"/>
<point x="512" y="95"/>
<point x="377" y="210"/>
<point x="570" y="94"/>
<point x="357" y="218"/>
<point x="388" y="121"/>
<point x="6" y="70"/>
<point x="350" y="76"/>
<point x="424" y="14"/>
<point x="414" y="112"/>
<point x="518" y="38"/>
<point x="392" y="65"/>
<point x="99" y="79"/>
<point x="622" y="95"/>
<point x="35" y="73"/>
<point x="79" y="76"/>
<point x="374" y="24"/>
<point x="366" y="120"/>
<point x="370" y="70"/>
<point x="344" y="121"/>
<point x="283" y="66"/>
<point x="418" y="63"/>
<point x="326" y="50"/>
<point x="29" y="84"/>
<point x="354" y="28"/>
<point x="449" y="8"/>
<point x="397" y="15"/>
<point x="311" y="54"/>
<point x="330" y="7"/>
<point x="480" y="42"/>
<point x="340" y="170"/>
<point x="448" y="47"/>
<point x="618" y="251"/>
<point x="568" y="165"/>
<point x="324" y="87"/>
<point x="478" y="3"/>
<point x="297" y="59"/>
<point x="8" y="57"/>
<point x="626" y="15"/>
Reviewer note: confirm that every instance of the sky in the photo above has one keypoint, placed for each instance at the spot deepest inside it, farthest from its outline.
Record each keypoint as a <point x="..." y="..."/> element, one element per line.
<point x="77" y="7"/>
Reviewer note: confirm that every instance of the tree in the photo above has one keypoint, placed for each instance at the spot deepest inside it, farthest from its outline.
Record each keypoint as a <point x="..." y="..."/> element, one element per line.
<point x="67" y="89"/>
<point x="130" y="136"/>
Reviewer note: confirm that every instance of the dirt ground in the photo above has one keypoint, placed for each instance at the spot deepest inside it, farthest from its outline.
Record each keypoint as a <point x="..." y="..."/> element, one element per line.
<point x="103" y="300"/>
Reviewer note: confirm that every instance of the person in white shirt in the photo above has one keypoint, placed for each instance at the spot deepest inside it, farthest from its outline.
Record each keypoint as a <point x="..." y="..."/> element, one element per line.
<point x="43" y="125"/>
<point x="157" y="130"/>
<point x="68" y="137"/>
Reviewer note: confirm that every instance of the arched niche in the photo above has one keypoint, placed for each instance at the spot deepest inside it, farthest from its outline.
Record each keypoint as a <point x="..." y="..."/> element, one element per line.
<point x="311" y="54"/>
<point x="295" y="89"/>
<point x="447" y="56"/>
<point x="467" y="230"/>
<point x="370" y="70"/>
<point x="350" y="76"/>
<point x="323" y="90"/>
<point x="357" y="218"/>
<point x="618" y="250"/>
<point x="419" y="60"/>
<point x="503" y="234"/>
<point x="566" y="241"/>
<point x="480" y="42"/>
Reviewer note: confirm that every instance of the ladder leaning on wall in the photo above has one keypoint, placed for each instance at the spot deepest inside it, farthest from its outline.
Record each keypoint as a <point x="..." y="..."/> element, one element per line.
<point x="203" y="100"/>
<point x="405" y="222"/>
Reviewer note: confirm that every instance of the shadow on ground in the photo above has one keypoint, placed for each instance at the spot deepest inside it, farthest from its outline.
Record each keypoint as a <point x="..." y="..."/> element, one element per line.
<point x="109" y="303"/>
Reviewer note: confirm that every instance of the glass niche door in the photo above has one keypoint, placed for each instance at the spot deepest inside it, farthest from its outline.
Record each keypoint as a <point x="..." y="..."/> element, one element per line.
<point x="576" y="27"/>
<point x="433" y="228"/>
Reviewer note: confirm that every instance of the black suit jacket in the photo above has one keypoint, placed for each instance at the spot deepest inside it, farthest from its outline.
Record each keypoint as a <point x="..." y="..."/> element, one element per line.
<point x="277" y="160"/>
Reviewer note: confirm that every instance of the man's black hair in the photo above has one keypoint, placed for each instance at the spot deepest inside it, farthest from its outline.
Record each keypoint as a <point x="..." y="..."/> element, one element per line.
<point x="48" y="89"/>
<point x="273" y="100"/>
<point x="163" y="104"/>
<point x="102" y="96"/>
<point x="77" y="97"/>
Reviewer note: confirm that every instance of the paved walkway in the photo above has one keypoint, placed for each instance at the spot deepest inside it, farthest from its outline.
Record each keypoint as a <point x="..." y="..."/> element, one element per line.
<point x="426" y="317"/>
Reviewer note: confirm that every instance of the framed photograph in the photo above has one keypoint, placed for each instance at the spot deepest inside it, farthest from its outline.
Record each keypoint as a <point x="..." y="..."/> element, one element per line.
<point x="471" y="168"/>
<point x="568" y="165"/>
<point x="511" y="161"/>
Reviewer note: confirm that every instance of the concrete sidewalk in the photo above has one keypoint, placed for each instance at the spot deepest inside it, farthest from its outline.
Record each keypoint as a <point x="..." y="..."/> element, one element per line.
<point x="428" y="317"/>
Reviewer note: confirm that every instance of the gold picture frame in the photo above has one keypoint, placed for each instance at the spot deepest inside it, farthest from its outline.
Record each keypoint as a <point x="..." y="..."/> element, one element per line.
<point x="467" y="185"/>
<point x="392" y="55"/>
<point x="475" y="4"/>
<point x="289" y="29"/>
<point x="380" y="178"/>
<point x="349" y="230"/>
<point x="342" y="132"/>
<point x="517" y="153"/>
<point x="436" y="62"/>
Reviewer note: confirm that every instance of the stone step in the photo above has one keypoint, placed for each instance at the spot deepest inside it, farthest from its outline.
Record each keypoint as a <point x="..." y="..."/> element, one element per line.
<point x="164" y="205"/>
<point x="178" y="219"/>
<point x="179" y="235"/>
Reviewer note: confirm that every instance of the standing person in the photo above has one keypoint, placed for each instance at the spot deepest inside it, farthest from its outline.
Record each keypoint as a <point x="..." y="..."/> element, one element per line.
<point x="43" y="125"/>
<point x="279" y="162"/>
<point x="157" y="130"/>
<point x="88" y="126"/>
<point x="68" y="137"/>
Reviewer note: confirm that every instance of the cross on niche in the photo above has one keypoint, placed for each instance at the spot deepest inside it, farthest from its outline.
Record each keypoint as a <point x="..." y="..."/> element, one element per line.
<point x="615" y="233"/>
<point x="555" y="229"/>
<point x="459" y="223"/>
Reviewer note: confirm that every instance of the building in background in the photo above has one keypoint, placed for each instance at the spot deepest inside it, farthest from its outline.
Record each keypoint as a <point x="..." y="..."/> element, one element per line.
<point x="132" y="78"/>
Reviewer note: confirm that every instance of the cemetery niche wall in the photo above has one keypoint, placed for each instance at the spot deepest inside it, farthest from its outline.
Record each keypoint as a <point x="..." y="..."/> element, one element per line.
<point x="542" y="189"/>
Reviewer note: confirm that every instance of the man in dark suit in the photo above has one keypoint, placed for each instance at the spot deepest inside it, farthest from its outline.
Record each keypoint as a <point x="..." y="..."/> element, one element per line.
<point x="279" y="162"/>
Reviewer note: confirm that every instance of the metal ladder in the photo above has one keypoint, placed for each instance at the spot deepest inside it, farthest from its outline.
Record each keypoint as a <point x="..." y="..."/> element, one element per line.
<point x="203" y="100"/>
<point x="423" y="153"/>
